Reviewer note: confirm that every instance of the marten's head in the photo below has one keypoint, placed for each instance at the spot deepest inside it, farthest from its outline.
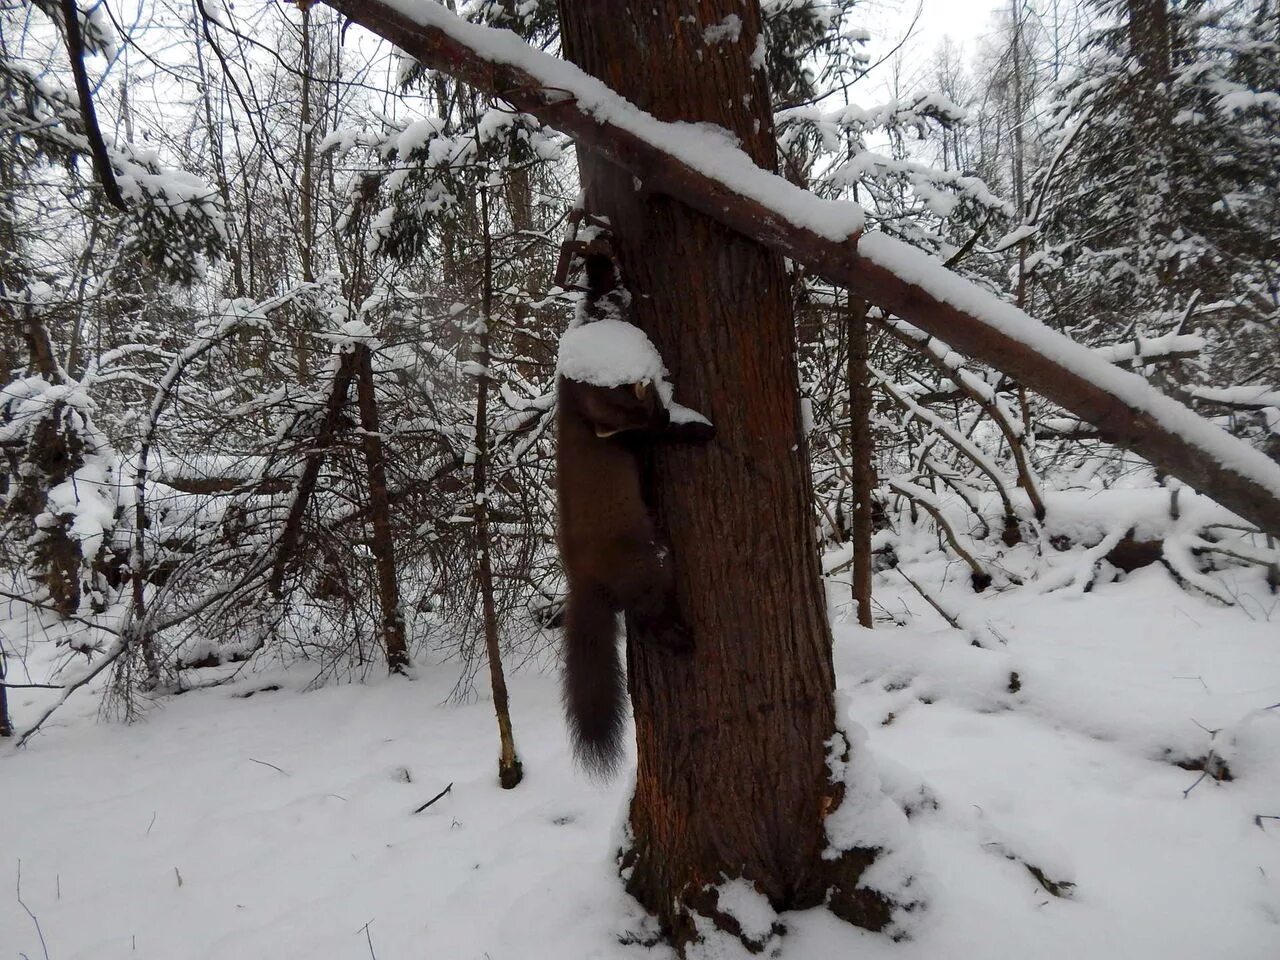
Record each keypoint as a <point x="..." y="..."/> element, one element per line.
<point x="600" y="272"/>
<point x="613" y="410"/>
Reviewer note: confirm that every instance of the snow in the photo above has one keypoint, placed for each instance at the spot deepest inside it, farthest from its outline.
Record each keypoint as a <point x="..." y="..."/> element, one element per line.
<point x="1015" y="236"/>
<point x="609" y="353"/>
<point x="351" y="334"/>
<point x="869" y="819"/>
<point x="743" y="902"/>
<point x="1241" y="100"/>
<point x="712" y="152"/>
<point x="727" y="30"/>
<point x="681" y="414"/>
<point x="1150" y="348"/>
<point x="178" y="837"/>
<point x="416" y="135"/>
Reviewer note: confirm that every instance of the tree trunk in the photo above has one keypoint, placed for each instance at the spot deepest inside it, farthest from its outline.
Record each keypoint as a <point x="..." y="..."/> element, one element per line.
<point x="40" y="357"/>
<point x="732" y="777"/>
<point x="510" y="770"/>
<point x="383" y="545"/>
<point x="1149" y="39"/>
<point x="306" y="239"/>
<point x="860" y="451"/>
<point x="289" y="536"/>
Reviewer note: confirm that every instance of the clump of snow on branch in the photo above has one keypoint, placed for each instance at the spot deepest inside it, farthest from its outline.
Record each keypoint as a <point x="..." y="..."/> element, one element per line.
<point x="174" y="219"/>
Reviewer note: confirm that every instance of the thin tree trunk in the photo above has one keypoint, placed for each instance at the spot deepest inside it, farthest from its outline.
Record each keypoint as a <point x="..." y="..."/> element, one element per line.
<point x="861" y="449"/>
<point x="6" y="725"/>
<point x="311" y="471"/>
<point x="74" y="363"/>
<point x="510" y="771"/>
<point x="383" y="545"/>
<point x="1149" y="40"/>
<point x="1019" y="177"/>
<point x="306" y="148"/>
<point x="214" y="133"/>
<point x="93" y="133"/>
<point x="732" y="778"/>
<point x="138" y="627"/>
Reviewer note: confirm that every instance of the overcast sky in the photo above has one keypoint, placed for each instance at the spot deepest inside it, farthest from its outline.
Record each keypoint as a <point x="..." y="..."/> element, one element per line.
<point x="963" y="20"/>
<point x="966" y="22"/>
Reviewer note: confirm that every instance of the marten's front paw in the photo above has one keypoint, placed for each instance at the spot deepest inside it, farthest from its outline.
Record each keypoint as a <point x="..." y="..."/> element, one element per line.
<point x="691" y="432"/>
<point x="687" y="426"/>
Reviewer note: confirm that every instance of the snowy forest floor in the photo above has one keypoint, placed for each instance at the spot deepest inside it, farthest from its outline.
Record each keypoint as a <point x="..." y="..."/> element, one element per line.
<point x="280" y="824"/>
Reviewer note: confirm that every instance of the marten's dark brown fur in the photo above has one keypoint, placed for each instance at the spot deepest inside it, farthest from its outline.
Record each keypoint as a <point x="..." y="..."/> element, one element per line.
<point x="613" y="557"/>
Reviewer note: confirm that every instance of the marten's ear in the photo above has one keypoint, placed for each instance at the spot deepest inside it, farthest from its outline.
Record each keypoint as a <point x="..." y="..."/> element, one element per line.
<point x="641" y="388"/>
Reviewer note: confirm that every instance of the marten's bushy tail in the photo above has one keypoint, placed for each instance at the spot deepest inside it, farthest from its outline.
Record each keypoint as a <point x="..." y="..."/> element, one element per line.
<point x="594" y="685"/>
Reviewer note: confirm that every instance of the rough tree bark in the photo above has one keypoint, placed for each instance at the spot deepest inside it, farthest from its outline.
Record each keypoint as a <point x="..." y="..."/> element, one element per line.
<point x="1149" y="39"/>
<point x="732" y="777"/>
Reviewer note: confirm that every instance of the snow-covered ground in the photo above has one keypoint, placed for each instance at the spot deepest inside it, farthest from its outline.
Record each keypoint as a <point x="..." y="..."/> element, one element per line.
<point x="280" y="825"/>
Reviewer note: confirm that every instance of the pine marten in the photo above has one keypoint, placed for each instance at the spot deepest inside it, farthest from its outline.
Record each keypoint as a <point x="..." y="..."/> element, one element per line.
<point x="614" y="558"/>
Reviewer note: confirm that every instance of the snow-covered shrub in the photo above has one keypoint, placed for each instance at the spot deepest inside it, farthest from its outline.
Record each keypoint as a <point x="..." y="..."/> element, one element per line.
<point x="58" y="489"/>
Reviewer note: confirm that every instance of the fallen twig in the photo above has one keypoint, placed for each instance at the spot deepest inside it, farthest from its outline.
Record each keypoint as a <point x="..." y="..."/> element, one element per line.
<point x="271" y="765"/>
<point x="942" y="612"/>
<point x="369" y="937"/>
<point x="34" y="919"/>
<point x="434" y="799"/>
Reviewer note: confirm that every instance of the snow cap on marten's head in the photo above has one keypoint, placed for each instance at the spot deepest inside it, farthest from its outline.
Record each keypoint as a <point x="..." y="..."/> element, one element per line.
<point x="611" y="353"/>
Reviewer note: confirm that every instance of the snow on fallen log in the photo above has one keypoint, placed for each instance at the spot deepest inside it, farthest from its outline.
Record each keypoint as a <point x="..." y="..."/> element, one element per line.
<point x="703" y="169"/>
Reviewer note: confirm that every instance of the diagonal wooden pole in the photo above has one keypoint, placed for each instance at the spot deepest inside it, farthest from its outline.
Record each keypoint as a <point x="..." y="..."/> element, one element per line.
<point x="712" y="176"/>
